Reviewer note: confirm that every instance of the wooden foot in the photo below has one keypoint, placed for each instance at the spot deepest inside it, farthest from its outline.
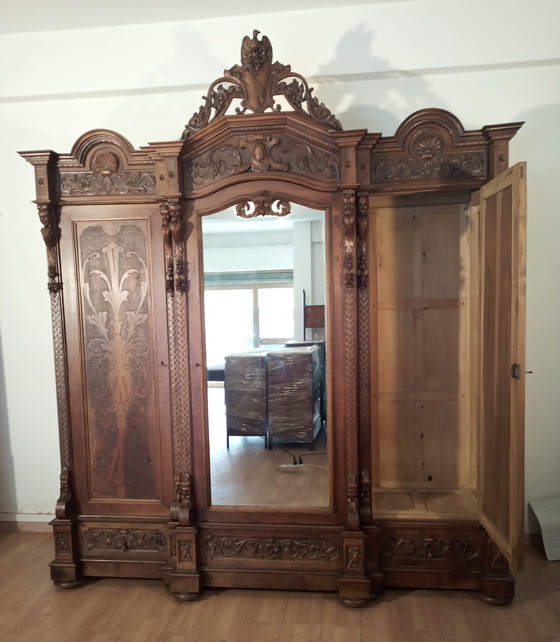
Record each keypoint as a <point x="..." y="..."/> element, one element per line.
<point x="182" y="596"/>
<point x="67" y="585"/>
<point x="498" y="591"/>
<point x="497" y="601"/>
<point x="354" y="592"/>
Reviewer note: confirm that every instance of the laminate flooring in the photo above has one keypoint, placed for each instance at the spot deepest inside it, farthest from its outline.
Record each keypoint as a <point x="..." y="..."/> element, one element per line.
<point x="107" y="610"/>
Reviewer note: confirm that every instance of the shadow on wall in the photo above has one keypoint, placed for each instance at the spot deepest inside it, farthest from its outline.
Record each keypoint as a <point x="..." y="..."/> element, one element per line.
<point x="7" y="479"/>
<point x="395" y="91"/>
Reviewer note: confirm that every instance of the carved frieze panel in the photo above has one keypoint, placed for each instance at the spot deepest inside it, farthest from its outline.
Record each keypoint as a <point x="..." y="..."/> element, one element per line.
<point x="271" y="548"/>
<point x="111" y="182"/>
<point x="429" y="161"/>
<point x="103" y="163"/>
<point x="258" y="153"/>
<point x="119" y="359"/>
<point x="431" y="145"/>
<point x="124" y="539"/>
<point x="429" y="548"/>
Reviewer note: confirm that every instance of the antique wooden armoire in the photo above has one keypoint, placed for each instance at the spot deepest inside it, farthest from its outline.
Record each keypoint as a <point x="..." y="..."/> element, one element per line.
<point x="423" y="236"/>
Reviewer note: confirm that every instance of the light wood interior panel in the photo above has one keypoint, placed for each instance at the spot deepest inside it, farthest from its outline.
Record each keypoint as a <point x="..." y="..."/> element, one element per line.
<point x="425" y="504"/>
<point x="420" y="254"/>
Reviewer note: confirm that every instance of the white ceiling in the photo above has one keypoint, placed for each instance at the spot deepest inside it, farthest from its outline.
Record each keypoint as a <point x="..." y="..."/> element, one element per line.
<point x="41" y="15"/>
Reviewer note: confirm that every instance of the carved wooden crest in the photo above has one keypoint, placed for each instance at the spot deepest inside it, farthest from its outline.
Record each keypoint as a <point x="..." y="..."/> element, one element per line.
<point x="255" y="83"/>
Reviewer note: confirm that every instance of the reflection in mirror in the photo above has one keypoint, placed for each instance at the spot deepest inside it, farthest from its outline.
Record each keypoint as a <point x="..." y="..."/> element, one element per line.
<point x="264" y="308"/>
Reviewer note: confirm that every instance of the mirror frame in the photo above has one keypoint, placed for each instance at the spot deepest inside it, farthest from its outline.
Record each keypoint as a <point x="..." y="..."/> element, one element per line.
<point x="329" y="202"/>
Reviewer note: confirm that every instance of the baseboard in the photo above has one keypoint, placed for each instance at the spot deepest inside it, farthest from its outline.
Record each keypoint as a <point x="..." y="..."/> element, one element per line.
<point x="25" y="523"/>
<point x="533" y="539"/>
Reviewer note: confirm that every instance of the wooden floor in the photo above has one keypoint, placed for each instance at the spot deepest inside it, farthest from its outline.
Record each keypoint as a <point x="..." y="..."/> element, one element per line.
<point x="31" y="609"/>
<point x="246" y="474"/>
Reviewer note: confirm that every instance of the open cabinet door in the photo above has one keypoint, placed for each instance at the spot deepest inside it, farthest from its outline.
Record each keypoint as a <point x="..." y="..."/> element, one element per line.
<point x="502" y="354"/>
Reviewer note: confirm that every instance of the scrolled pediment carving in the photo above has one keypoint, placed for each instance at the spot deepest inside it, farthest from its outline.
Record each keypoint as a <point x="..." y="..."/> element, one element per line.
<point x="431" y="145"/>
<point x="256" y="83"/>
<point x="259" y="153"/>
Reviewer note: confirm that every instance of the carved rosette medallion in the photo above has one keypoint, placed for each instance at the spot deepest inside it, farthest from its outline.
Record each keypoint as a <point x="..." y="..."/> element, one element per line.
<point x="255" y="84"/>
<point x="124" y="539"/>
<point x="271" y="548"/>
<point x="429" y="160"/>
<point x="445" y="548"/>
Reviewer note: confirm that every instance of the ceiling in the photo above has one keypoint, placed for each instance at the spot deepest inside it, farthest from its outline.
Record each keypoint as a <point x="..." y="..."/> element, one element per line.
<point x="38" y="15"/>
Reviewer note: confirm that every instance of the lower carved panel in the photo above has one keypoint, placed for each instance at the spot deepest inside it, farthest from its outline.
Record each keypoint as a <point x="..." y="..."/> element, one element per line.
<point x="430" y="546"/>
<point x="127" y="542"/>
<point x="276" y="549"/>
<point x="272" y="548"/>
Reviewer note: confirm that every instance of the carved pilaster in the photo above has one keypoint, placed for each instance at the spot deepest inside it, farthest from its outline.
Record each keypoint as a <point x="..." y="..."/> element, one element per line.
<point x="177" y="325"/>
<point x="364" y="377"/>
<point x="350" y="351"/>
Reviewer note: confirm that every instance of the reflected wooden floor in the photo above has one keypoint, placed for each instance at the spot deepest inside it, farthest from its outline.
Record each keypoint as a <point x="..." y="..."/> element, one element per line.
<point x="107" y="610"/>
<point x="247" y="474"/>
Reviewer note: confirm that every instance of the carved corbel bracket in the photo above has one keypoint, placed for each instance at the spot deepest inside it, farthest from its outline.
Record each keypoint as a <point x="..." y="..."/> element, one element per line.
<point x="349" y="223"/>
<point x="51" y="236"/>
<point x="182" y="504"/>
<point x="63" y="502"/>
<point x="173" y="238"/>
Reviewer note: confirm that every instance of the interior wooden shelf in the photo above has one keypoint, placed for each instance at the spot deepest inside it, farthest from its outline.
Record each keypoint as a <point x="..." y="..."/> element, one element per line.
<point x="421" y="503"/>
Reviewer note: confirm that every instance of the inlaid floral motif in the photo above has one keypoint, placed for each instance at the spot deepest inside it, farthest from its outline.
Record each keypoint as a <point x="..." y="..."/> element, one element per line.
<point x="115" y="290"/>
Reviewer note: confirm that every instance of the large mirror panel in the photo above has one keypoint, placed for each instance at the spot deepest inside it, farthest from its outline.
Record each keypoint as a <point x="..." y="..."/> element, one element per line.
<point x="266" y="358"/>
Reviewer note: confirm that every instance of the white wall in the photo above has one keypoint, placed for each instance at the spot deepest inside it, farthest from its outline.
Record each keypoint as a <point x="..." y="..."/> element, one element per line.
<point x="372" y="65"/>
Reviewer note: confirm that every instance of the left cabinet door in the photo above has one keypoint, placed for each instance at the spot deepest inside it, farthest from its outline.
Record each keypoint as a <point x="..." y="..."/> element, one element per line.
<point x="118" y="365"/>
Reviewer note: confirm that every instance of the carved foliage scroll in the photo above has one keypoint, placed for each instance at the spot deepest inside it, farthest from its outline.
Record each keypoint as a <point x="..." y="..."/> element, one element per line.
<point x="429" y="160"/>
<point x="255" y="84"/>
<point x="262" y="204"/>
<point x="427" y="548"/>
<point x="272" y="548"/>
<point x="124" y="539"/>
<point x="107" y="176"/>
<point x="262" y="153"/>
